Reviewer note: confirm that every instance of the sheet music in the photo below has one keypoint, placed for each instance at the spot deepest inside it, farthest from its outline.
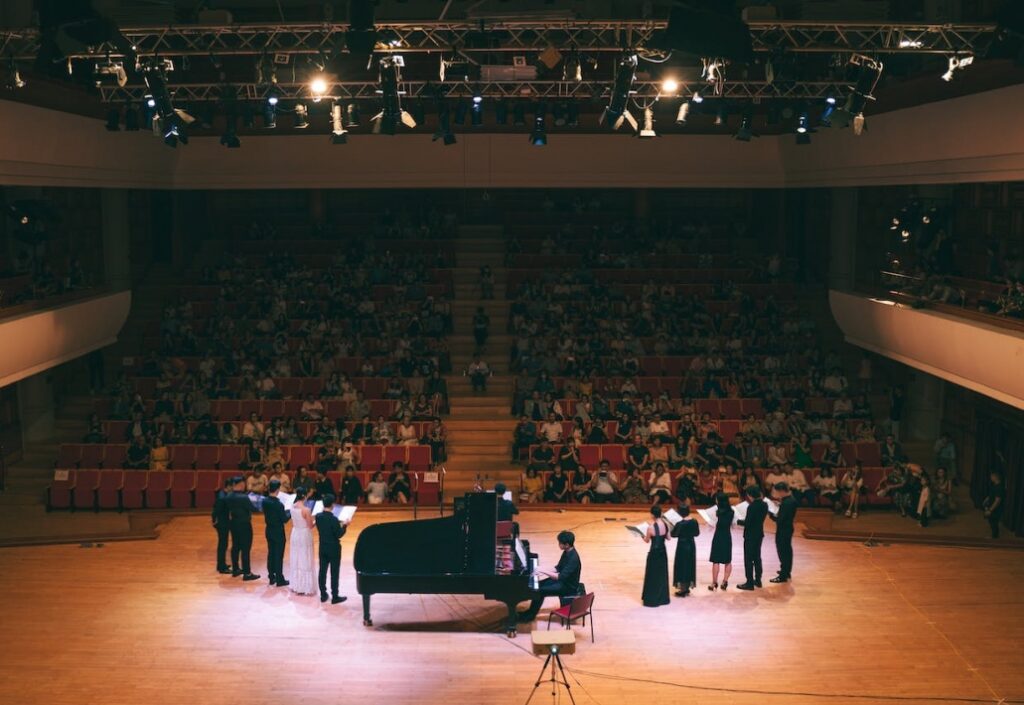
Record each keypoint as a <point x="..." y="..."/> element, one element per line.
<point x="741" y="511"/>
<point x="521" y="552"/>
<point x="345" y="513"/>
<point x="507" y="495"/>
<point x="672" y="517"/>
<point x="773" y="506"/>
<point x="639" y="529"/>
<point x="256" y="500"/>
<point x="288" y="500"/>
<point x="710" y="516"/>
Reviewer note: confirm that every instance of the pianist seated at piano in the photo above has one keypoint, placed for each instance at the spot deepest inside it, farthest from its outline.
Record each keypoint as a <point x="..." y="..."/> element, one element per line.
<point x="564" y="581"/>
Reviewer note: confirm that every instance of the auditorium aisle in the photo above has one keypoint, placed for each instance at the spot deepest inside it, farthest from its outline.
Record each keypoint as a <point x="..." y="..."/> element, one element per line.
<point x="479" y="426"/>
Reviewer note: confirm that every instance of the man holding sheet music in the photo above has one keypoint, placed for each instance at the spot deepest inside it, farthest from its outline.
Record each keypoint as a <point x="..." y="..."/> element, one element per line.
<point x="331" y="529"/>
<point x="753" y="534"/>
<point x="564" y="581"/>
<point x="240" y="521"/>
<point x="275" y="517"/>
<point x="784" y="532"/>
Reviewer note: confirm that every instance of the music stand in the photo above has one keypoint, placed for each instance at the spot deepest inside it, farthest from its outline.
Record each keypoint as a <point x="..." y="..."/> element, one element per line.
<point x="553" y="644"/>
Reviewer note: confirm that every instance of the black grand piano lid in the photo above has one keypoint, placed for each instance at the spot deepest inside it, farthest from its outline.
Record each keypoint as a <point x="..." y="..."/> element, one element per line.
<point x="461" y="543"/>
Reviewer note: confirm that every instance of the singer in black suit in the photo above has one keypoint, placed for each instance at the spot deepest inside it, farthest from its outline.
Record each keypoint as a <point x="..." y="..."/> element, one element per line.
<point x="753" y="534"/>
<point x="784" y="532"/>
<point x="240" y="514"/>
<point x="330" y="530"/>
<point x="275" y="518"/>
<point x="221" y="518"/>
<point x="564" y="582"/>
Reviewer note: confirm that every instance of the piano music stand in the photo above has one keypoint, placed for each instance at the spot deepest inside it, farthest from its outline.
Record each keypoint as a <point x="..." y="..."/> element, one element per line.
<point x="554" y="644"/>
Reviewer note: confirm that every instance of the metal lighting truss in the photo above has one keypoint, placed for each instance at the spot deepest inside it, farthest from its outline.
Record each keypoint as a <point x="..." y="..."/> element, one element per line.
<point x="473" y="40"/>
<point x="509" y="36"/>
<point x="496" y="90"/>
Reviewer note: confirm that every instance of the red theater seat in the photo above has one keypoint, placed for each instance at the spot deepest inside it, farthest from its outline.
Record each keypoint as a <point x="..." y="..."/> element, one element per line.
<point x="370" y="458"/>
<point x="419" y="458"/>
<point x="69" y="455"/>
<point x="108" y="494"/>
<point x="84" y="490"/>
<point x="230" y="457"/>
<point x="158" y="489"/>
<point x="207" y="456"/>
<point x="58" y="492"/>
<point x="133" y="492"/>
<point x="183" y="483"/>
<point x="183" y="457"/>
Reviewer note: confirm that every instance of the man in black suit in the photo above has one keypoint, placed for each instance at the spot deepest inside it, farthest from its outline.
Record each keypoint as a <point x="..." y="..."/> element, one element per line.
<point x="564" y="582"/>
<point x="275" y="517"/>
<point x="784" y="532"/>
<point x="240" y="521"/>
<point x="753" y="533"/>
<point x="506" y="509"/>
<point x="222" y="523"/>
<point x="331" y="530"/>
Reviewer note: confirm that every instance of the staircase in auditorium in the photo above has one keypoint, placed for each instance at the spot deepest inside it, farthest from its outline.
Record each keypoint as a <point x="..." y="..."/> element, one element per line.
<point x="479" y="426"/>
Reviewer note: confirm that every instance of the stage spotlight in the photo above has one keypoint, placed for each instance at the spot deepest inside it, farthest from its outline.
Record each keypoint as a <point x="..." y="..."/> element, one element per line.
<point x="868" y="74"/>
<point x="955" y="64"/>
<point x="352" y="114"/>
<point x="826" y="114"/>
<point x="391" y="113"/>
<point x="746" y="128"/>
<point x="230" y="137"/>
<point x="301" y="116"/>
<point x="113" y="120"/>
<point x="478" y="97"/>
<point x="539" y="134"/>
<point x="519" y="115"/>
<point x="14" y="79"/>
<point x="269" y="115"/>
<point x="669" y="86"/>
<point x="339" y="135"/>
<point x="476" y="114"/>
<point x="617" y="111"/>
<point x="803" y="129"/>
<point x="697" y="98"/>
<point x="444" y="128"/>
<point x="647" y="130"/>
<point x="318" y="88"/>
<point x="684" y="113"/>
<point x="168" y="122"/>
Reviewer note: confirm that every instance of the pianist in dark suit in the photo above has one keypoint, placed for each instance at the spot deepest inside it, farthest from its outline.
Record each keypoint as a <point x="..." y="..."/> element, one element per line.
<point x="564" y="582"/>
<point x="330" y="530"/>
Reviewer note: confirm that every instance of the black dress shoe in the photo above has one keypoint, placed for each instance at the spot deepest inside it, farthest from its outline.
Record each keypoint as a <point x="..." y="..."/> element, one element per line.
<point x="323" y="597"/>
<point x="272" y="580"/>
<point x="523" y="617"/>
<point x="757" y="583"/>
<point x="282" y="583"/>
<point x="250" y="576"/>
<point x="779" y="579"/>
<point x="224" y="571"/>
<point x="235" y="572"/>
<point x="745" y="586"/>
<point x="338" y="600"/>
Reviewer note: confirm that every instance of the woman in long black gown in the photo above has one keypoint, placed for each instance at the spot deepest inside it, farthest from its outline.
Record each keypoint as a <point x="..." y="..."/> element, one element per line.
<point x="656" y="575"/>
<point x="684" y="570"/>
<point x="721" y="542"/>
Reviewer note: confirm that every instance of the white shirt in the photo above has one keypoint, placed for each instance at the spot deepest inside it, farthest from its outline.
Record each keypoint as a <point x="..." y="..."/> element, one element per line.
<point x="551" y="430"/>
<point x="658" y="428"/>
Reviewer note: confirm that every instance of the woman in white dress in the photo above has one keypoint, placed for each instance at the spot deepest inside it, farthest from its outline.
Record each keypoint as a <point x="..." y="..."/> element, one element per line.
<point x="300" y="560"/>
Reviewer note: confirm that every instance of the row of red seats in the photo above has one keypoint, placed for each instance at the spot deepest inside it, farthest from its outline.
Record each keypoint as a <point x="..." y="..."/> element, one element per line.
<point x="690" y="264"/>
<point x="625" y="280"/>
<point x="730" y="408"/>
<point x="867" y="452"/>
<point x="98" y="489"/>
<point x="727" y="428"/>
<point x="232" y="409"/>
<point x="379" y="292"/>
<point x="872" y="477"/>
<point x="114" y="455"/>
<point x="116" y="430"/>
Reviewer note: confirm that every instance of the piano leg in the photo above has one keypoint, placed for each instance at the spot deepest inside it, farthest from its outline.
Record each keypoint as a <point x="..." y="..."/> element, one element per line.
<point x="512" y="625"/>
<point x="367" y="622"/>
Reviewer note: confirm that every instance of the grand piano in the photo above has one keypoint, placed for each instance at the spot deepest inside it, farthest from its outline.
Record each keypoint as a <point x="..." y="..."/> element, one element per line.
<point x="467" y="553"/>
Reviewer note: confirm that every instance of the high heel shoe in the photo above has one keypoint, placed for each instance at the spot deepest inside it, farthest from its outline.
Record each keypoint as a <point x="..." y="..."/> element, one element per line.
<point x="725" y="584"/>
<point x="713" y="587"/>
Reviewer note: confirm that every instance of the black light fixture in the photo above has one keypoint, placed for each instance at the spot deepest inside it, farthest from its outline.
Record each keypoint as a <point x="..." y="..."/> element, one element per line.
<point x="301" y="116"/>
<point x="869" y="71"/>
<point x="746" y="128"/>
<point x="339" y="135"/>
<point x="617" y="111"/>
<point x="803" y="129"/>
<point x="270" y="108"/>
<point x="391" y="113"/>
<point x="169" y="122"/>
<point x="539" y="134"/>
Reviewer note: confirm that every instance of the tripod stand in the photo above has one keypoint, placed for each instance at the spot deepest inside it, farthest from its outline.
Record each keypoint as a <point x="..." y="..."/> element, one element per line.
<point x="553" y="643"/>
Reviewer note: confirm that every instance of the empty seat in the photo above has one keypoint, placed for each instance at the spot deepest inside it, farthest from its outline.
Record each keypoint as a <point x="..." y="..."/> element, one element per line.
<point x="158" y="488"/>
<point x="395" y="454"/>
<point x="207" y="484"/>
<point x="206" y="456"/>
<point x="115" y="456"/>
<point x="183" y="457"/>
<point x="615" y="454"/>
<point x="133" y="491"/>
<point x="68" y="455"/>
<point x="869" y="453"/>
<point x="590" y="456"/>
<point x="299" y="455"/>
<point x="108" y="492"/>
<point x="183" y="482"/>
<point x="92" y="456"/>
<point x="84" y="490"/>
<point x="271" y="409"/>
<point x="370" y="457"/>
<point x="58" y="492"/>
<point x="419" y="458"/>
<point x="230" y="457"/>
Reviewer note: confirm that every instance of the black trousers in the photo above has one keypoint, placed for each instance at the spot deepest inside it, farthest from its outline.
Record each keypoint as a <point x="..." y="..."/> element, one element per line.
<point x="275" y="553"/>
<point x="334" y="563"/>
<point x="784" y="546"/>
<point x="546" y="588"/>
<point x="222" y="545"/>
<point x="993" y="523"/>
<point x="752" y="557"/>
<point x="241" y="544"/>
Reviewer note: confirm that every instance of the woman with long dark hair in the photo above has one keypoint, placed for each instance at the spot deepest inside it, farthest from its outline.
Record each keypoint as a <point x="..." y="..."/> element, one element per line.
<point x="721" y="543"/>
<point x="684" y="569"/>
<point x="655" y="592"/>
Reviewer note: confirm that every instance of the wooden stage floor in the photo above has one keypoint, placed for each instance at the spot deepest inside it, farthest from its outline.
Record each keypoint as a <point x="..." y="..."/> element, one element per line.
<point x="151" y="622"/>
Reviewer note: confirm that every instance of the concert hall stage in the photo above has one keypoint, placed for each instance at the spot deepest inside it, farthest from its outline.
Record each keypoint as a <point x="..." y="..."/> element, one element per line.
<point x="152" y="622"/>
